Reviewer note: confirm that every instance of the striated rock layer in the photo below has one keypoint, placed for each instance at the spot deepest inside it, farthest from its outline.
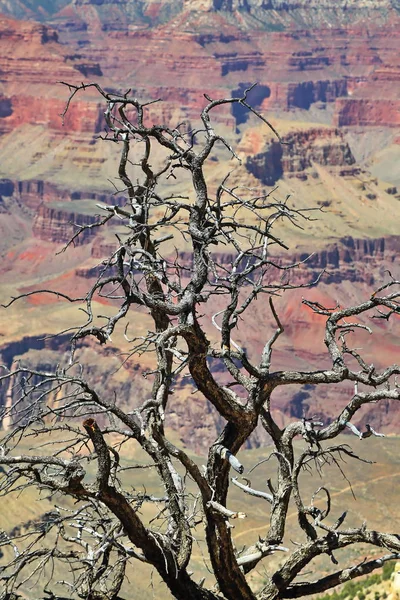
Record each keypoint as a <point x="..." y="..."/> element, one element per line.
<point x="333" y="66"/>
<point x="32" y="62"/>
<point x="296" y="68"/>
<point x="191" y="416"/>
<point x="299" y="152"/>
<point x="114" y="14"/>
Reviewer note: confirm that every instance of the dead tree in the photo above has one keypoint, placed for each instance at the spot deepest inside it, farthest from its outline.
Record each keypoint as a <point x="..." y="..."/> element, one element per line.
<point x="103" y="529"/>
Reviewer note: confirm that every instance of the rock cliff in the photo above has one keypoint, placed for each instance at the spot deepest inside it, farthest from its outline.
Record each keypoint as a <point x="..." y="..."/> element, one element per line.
<point x="58" y="222"/>
<point x="298" y="153"/>
<point x="347" y="259"/>
<point x="297" y="67"/>
<point x="32" y="61"/>
<point x="100" y="367"/>
<point x="366" y="112"/>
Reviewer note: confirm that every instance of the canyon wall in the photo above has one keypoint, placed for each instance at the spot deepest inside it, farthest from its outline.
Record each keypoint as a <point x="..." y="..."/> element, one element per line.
<point x="190" y="415"/>
<point x="298" y="152"/>
<point x="296" y="70"/>
<point x="325" y="74"/>
<point x="32" y="63"/>
<point x="60" y="223"/>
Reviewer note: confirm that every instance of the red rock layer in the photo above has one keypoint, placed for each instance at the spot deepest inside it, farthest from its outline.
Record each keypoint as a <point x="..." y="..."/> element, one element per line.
<point x="32" y="62"/>
<point x="56" y="224"/>
<point x="295" y="68"/>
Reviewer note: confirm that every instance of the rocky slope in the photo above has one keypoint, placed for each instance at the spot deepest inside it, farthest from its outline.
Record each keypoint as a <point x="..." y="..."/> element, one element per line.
<point x="262" y="12"/>
<point x="248" y="14"/>
<point x="298" y="68"/>
<point x="35" y="9"/>
<point x="320" y="70"/>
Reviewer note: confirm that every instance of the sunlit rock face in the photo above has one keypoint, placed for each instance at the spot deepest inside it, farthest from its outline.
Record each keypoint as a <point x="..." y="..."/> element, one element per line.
<point x="299" y="151"/>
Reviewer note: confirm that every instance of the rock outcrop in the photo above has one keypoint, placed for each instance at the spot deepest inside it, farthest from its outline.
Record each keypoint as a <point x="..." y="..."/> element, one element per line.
<point x="299" y="60"/>
<point x="100" y="366"/>
<point x="297" y="69"/>
<point x="32" y="61"/>
<point x="298" y="153"/>
<point x="367" y="112"/>
<point x="59" y="222"/>
<point x="33" y="192"/>
<point x="347" y="259"/>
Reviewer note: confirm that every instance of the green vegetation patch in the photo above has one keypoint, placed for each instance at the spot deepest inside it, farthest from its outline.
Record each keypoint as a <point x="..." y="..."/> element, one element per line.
<point x="360" y="588"/>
